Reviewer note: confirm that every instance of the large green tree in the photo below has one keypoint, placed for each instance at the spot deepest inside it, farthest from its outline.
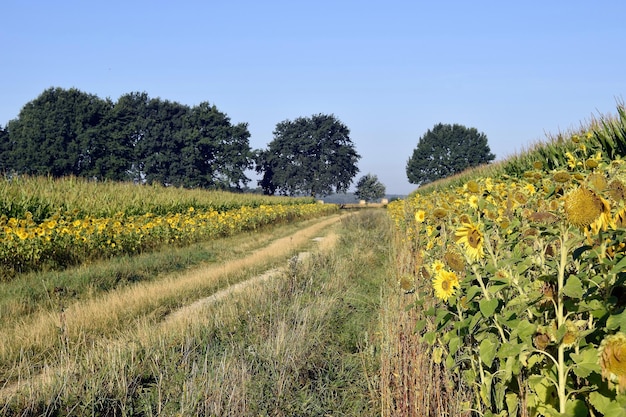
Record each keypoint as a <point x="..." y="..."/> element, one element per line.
<point x="308" y="156"/>
<point x="54" y="133"/>
<point x="6" y="157"/>
<point x="216" y="153"/>
<point x="116" y="155"/>
<point x="446" y="150"/>
<point x="68" y="132"/>
<point x="369" y="188"/>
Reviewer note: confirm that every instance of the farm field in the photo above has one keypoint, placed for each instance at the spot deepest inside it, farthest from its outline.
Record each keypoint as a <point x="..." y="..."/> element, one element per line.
<point x="497" y="292"/>
<point x="126" y="335"/>
<point x="512" y="280"/>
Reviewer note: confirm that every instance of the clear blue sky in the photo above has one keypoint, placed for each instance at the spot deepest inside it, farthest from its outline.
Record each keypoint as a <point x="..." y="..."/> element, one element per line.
<point x="389" y="70"/>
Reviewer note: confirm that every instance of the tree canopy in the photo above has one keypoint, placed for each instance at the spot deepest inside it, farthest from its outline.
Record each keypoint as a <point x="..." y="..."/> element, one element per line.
<point x="308" y="156"/>
<point x="69" y="132"/>
<point x="446" y="150"/>
<point x="368" y="188"/>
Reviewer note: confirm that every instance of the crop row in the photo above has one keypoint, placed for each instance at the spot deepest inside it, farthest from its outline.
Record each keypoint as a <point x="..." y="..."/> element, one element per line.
<point x="43" y="197"/>
<point x="66" y="239"/>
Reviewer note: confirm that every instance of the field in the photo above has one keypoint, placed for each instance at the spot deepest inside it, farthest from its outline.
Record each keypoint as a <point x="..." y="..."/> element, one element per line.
<point x="514" y="277"/>
<point x="498" y="292"/>
<point x="204" y="324"/>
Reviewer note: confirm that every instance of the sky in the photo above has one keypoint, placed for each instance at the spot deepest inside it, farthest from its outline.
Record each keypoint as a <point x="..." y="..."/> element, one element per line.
<point x="389" y="70"/>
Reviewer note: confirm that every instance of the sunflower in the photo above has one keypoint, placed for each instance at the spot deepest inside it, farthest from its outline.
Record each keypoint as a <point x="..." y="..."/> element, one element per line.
<point x="454" y="261"/>
<point x="420" y="216"/>
<point x="444" y="284"/>
<point x="612" y="357"/>
<point x="472" y="240"/>
<point x="473" y="187"/>
<point x="583" y="207"/>
<point x="605" y="220"/>
<point x="617" y="191"/>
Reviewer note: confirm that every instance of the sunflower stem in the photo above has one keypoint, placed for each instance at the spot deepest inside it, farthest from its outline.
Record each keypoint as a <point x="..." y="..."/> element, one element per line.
<point x="487" y="296"/>
<point x="560" y="319"/>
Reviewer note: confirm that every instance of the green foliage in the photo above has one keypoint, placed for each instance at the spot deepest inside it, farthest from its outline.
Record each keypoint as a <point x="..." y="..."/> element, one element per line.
<point x="68" y="132"/>
<point x="368" y="188"/>
<point x="310" y="155"/>
<point x="54" y="134"/>
<point x="529" y="271"/>
<point x="447" y="150"/>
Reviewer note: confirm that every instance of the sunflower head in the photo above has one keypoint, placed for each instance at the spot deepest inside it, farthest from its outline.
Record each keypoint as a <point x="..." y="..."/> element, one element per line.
<point x="440" y="213"/>
<point x="583" y="207"/>
<point x="561" y="176"/>
<point x="597" y="181"/>
<point x="407" y="283"/>
<point x="454" y="261"/>
<point x="617" y="190"/>
<point x="612" y="358"/>
<point x="444" y="284"/>
<point x="473" y="187"/>
<point x="472" y="240"/>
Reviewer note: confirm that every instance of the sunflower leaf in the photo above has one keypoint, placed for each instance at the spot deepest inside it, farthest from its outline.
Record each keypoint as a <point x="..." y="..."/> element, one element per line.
<point x="573" y="287"/>
<point x="488" y="307"/>
<point x="488" y="351"/>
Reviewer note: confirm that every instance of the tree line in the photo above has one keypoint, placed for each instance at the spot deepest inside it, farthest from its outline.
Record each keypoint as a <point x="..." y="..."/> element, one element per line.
<point x="149" y="140"/>
<point x="67" y="132"/>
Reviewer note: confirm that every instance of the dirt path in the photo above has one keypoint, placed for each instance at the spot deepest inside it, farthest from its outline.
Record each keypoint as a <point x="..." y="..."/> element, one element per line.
<point x="110" y="313"/>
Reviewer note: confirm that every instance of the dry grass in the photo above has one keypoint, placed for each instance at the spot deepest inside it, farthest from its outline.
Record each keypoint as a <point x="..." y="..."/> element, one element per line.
<point x="77" y="327"/>
<point x="412" y="384"/>
<point x="294" y="345"/>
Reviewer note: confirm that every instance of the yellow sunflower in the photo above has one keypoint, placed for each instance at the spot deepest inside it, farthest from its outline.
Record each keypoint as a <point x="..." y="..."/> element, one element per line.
<point x="472" y="239"/>
<point x="444" y="284"/>
<point x="583" y="207"/>
<point x="612" y="357"/>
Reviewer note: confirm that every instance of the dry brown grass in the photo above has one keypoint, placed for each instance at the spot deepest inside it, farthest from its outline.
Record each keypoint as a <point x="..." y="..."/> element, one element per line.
<point x="51" y="336"/>
<point x="411" y="383"/>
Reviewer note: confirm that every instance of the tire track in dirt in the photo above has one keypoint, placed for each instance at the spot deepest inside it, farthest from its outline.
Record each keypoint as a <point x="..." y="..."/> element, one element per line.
<point x="79" y="314"/>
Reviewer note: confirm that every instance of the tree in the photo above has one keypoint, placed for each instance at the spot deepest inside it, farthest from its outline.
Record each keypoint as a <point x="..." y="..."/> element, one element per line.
<point x="53" y="133"/>
<point x="216" y="153"/>
<point x="6" y="157"/>
<point x="368" y="188"/>
<point x="116" y="155"/>
<point x="446" y="150"/>
<point x="312" y="156"/>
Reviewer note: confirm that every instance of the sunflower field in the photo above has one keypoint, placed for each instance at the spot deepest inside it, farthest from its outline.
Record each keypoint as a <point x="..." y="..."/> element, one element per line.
<point x="518" y="276"/>
<point x="69" y="228"/>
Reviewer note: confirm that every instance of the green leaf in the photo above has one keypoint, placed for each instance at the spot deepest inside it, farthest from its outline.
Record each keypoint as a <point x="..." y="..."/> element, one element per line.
<point x="576" y="408"/>
<point x="419" y="326"/>
<point x="606" y="406"/>
<point x="430" y="337"/>
<point x="573" y="287"/>
<point x="509" y="349"/>
<point x="453" y="345"/>
<point x="525" y="330"/>
<point x="512" y="403"/>
<point x="586" y="362"/>
<point x="472" y="292"/>
<point x="617" y="320"/>
<point x="619" y="267"/>
<point x="487" y="351"/>
<point x="488" y="307"/>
